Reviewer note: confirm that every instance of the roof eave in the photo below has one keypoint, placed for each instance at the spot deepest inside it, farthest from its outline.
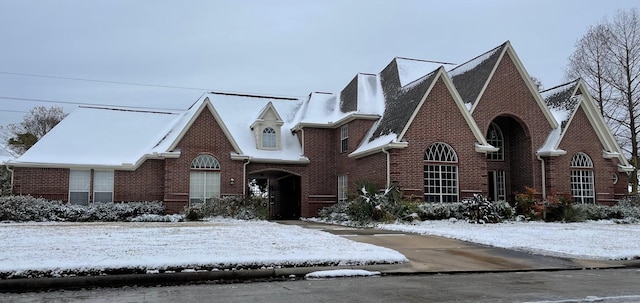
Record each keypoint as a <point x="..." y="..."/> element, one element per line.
<point x="375" y="150"/>
<point x="333" y="124"/>
<point x="551" y="153"/>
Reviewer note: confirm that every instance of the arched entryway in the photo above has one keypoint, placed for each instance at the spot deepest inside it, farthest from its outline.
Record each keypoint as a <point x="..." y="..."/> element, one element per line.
<point x="509" y="170"/>
<point x="282" y="191"/>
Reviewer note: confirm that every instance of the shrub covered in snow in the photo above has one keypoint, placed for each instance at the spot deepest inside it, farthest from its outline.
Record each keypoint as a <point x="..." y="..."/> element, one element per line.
<point x="27" y="208"/>
<point x="230" y="207"/>
<point x="371" y="205"/>
<point x="480" y="210"/>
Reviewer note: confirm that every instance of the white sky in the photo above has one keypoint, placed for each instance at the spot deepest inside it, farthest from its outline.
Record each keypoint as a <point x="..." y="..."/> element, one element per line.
<point x="272" y="47"/>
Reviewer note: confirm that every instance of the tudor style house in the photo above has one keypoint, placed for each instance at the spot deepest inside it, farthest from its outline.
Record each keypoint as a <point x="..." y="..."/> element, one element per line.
<point x="441" y="135"/>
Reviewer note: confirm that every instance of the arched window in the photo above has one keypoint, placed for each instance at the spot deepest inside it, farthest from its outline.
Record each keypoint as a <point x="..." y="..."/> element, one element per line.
<point x="440" y="173"/>
<point x="269" y="138"/>
<point x="495" y="138"/>
<point x="204" y="182"/>
<point x="582" y="187"/>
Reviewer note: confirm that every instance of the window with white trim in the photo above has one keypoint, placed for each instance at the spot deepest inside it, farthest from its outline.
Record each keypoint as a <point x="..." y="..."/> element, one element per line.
<point x="269" y="138"/>
<point x="204" y="179"/>
<point x="344" y="138"/>
<point x="79" y="186"/>
<point x="440" y="173"/>
<point x="582" y="187"/>
<point x="343" y="187"/>
<point x="103" y="186"/>
<point x="495" y="138"/>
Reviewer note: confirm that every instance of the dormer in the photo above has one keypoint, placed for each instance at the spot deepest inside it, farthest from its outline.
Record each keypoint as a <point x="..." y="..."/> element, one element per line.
<point x="267" y="128"/>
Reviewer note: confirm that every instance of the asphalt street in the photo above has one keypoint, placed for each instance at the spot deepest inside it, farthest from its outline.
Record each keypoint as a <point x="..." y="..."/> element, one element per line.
<point x="597" y="285"/>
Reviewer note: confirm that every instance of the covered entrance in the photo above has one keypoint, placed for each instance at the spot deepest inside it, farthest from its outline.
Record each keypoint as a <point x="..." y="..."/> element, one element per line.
<point x="509" y="170"/>
<point x="282" y="192"/>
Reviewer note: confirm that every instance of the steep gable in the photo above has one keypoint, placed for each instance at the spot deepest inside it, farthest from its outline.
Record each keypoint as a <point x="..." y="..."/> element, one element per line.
<point x="470" y="78"/>
<point x="565" y="102"/>
<point x="403" y="104"/>
<point x="473" y="78"/>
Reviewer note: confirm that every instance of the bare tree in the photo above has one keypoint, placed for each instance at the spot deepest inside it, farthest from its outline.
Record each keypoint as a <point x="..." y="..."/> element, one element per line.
<point x="37" y="123"/>
<point x="608" y="60"/>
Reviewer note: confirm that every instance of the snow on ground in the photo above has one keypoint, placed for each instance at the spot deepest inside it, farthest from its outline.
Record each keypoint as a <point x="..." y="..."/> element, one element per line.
<point x="588" y="240"/>
<point x="53" y="249"/>
<point x="339" y="273"/>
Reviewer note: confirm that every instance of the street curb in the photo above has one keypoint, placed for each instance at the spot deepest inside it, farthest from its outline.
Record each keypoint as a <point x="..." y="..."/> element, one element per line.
<point x="233" y="276"/>
<point x="222" y="276"/>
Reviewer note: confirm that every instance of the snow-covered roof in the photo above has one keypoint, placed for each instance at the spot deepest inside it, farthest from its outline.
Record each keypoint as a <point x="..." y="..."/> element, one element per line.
<point x="5" y="154"/>
<point x="471" y="77"/>
<point x="93" y="136"/>
<point x="238" y="112"/>
<point x="563" y="101"/>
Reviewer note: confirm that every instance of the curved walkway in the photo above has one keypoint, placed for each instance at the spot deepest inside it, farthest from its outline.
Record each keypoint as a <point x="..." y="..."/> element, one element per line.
<point x="434" y="254"/>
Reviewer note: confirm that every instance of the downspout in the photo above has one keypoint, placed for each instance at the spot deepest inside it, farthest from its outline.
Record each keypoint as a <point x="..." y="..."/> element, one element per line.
<point x="544" y="178"/>
<point x="10" y="170"/>
<point x="388" y="167"/>
<point x="302" y="139"/>
<point x="244" y="177"/>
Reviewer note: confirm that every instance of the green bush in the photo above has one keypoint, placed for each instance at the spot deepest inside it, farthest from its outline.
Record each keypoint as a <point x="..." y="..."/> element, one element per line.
<point x="27" y="208"/>
<point x="561" y="209"/>
<point x="231" y="207"/>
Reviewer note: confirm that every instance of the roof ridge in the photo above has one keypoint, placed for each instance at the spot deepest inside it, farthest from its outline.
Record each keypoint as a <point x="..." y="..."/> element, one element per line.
<point x="561" y="85"/>
<point x="129" y="110"/>
<point x="423" y="60"/>
<point x="250" y="95"/>
<point x="478" y="56"/>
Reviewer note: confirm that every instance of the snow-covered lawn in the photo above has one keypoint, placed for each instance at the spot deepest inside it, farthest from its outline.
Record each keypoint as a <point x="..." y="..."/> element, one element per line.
<point x="589" y="240"/>
<point x="54" y="249"/>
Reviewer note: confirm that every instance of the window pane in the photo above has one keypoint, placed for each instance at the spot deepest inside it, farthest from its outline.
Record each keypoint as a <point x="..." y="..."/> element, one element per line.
<point x="102" y="197"/>
<point x="80" y="198"/>
<point x="79" y="180"/>
<point x="269" y="138"/>
<point x="103" y="181"/>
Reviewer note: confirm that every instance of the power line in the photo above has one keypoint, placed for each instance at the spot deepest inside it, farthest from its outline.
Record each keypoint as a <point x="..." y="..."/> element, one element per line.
<point x="13" y="111"/>
<point x="102" y="81"/>
<point x="82" y="103"/>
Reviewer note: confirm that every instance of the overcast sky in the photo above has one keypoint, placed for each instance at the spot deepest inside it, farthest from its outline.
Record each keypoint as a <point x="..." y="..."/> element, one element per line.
<point x="268" y="47"/>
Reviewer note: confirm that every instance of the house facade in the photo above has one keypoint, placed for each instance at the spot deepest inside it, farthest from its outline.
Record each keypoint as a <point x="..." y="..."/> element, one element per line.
<point x="441" y="135"/>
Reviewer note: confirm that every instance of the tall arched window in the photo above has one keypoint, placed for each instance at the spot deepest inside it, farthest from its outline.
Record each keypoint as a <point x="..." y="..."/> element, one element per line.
<point x="582" y="187"/>
<point x="495" y="138"/>
<point x="269" y="138"/>
<point x="440" y="173"/>
<point x="204" y="182"/>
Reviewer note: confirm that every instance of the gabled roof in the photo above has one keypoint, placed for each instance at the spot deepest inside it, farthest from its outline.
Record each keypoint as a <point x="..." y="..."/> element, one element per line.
<point x="362" y="98"/>
<point x="403" y="104"/>
<point x="471" y="78"/>
<point x="237" y="112"/>
<point x="564" y="101"/>
<point x="113" y="138"/>
<point x="269" y="108"/>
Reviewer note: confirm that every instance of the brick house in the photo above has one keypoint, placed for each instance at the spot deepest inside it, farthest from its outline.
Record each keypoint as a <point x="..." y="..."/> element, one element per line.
<point x="481" y="127"/>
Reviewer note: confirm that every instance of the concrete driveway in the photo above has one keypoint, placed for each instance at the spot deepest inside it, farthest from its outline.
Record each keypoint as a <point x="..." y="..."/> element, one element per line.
<point x="433" y="254"/>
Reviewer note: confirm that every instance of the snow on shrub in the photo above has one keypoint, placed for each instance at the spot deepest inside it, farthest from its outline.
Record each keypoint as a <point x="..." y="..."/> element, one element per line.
<point x="27" y="208"/>
<point x="230" y="207"/>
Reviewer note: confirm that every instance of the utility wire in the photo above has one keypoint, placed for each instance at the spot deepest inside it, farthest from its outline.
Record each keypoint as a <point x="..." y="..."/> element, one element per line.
<point x="102" y="81"/>
<point x="82" y="103"/>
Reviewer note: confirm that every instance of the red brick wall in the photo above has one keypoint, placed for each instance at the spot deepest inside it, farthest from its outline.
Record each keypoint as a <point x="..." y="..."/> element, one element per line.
<point x="203" y="137"/>
<point x="48" y="183"/>
<point x="581" y="137"/>
<point x="508" y="95"/>
<point x="439" y="120"/>
<point x="144" y="184"/>
<point x="319" y="182"/>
